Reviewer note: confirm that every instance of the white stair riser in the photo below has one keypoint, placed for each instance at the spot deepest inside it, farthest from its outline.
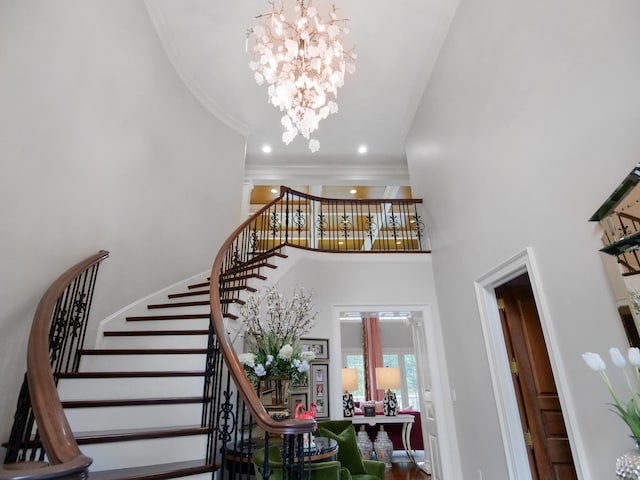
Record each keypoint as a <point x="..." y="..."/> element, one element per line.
<point x="136" y="453"/>
<point x="139" y="416"/>
<point x="141" y="363"/>
<point x="178" y="310"/>
<point x="126" y="388"/>
<point x="156" y="341"/>
<point x="181" y="324"/>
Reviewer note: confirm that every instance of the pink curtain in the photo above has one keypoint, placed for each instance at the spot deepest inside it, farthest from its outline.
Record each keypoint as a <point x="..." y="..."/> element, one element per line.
<point x="372" y="354"/>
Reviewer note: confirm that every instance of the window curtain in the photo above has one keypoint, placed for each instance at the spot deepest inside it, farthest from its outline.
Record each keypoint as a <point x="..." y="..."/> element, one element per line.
<point x="372" y="349"/>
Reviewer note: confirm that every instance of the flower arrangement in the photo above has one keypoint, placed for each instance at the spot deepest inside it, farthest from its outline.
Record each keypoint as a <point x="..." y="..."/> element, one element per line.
<point x="274" y="326"/>
<point x="629" y="411"/>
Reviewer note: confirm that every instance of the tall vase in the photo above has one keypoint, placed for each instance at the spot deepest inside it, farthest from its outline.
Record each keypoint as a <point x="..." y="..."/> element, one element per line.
<point x="628" y="464"/>
<point x="274" y="396"/>
<point x="383" y="447"/>
<point x="364" y="444"/>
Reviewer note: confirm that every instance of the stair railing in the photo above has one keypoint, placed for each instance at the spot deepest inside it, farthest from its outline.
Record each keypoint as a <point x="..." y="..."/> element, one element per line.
<point x="302" y="221"/>
<point x="40" y="426"/>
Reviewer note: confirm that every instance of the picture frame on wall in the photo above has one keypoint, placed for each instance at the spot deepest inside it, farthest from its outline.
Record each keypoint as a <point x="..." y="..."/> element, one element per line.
<point x="319" y="346"/>
<point x="320" y="388"/>
<point x="297" y="398"/>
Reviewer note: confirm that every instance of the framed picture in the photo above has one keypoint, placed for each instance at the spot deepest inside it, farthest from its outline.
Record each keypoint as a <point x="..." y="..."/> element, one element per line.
<point x="297" y="398"/>
<point x="320" y="388"/>
<point x="304" y="382"/>
<point x="319" y="346"/>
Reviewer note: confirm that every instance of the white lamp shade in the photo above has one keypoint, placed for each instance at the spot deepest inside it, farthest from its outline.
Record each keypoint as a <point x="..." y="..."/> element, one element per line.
<point x="349" y="379"/>
<point x="387" y="378"/>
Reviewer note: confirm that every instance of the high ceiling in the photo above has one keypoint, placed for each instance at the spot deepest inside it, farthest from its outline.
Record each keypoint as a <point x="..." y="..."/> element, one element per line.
<point x="396" y="44"/>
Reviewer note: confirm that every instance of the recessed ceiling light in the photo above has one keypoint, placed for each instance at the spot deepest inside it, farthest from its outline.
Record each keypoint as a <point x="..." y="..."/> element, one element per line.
<point x="340" y="243"/>
<point x="362" y="149"/>
<point x="266" y="148"/>
<point x="352" y="191"/>
<point x="274" y="190"/>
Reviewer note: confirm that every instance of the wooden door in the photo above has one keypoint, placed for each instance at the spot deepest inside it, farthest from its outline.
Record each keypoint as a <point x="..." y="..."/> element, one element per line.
<point x="543" y="424"/>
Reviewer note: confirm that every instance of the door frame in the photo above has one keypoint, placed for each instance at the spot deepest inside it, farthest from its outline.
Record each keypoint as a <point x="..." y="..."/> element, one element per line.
<point x="437" y="365"/>
<point x="504" y="391"/>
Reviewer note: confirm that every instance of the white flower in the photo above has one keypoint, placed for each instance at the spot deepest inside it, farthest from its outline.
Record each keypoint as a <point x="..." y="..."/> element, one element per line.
<point x="269" y="360"/>
<point x="307" y="356"/>
<point x="259" y="370"/>
<point x="247" y="359"/>
<point x="285" y="352"/>
<point x="594" y="361"/>
<point x="617" y="358"/>
<point x="634" y="356"/>
<point x="303" y="367"/>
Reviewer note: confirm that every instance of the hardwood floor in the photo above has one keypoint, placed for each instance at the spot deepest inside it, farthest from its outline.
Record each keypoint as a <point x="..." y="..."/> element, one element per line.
<point x="403" y="469"/>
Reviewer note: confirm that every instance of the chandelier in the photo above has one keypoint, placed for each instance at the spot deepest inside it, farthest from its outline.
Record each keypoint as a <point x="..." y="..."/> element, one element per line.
<point x="300" y="57"/>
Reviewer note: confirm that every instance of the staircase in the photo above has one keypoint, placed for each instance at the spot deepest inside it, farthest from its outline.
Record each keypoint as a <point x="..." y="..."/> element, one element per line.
<point x="162" y="394"/>
<point x="137" y="401"/>
<point x="135" y="405"/>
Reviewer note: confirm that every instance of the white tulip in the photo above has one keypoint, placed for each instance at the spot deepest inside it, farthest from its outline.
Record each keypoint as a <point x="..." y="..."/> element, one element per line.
<point x="634" y="356"/>
<point x="594" y="361"/>
<point x="617" y="358"/>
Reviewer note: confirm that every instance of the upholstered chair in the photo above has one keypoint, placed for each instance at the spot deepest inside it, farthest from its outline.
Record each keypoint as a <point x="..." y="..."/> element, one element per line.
<point x="343" y="432"/>
<point x="330" y="470"/>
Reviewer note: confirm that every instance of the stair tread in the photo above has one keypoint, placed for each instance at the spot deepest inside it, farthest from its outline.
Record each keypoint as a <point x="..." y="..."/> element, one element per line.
<point x="229" y="277"/>
<point x="128" y="402"/>
<point x="142" y="351"/>
<point x="155" y="472"/>
<point x="195" y="303"/>
<point x="190" y="316"/>
<point x="236" y="288"/>
<point x="142" y="333"/>
<point x="193" y="293"/>
<point x="199" y="285"/>
<point x="184" y="373"/>
<point x="108" y="436"/>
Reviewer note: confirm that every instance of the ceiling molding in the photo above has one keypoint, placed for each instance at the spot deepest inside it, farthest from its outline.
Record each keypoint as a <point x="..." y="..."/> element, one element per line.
<point x="159" y="22"/>
<point x="328" y="174"/>
<point x="441" y="26"/>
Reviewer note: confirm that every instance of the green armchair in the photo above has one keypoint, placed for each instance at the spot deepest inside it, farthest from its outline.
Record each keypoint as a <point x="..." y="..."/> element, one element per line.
<point x="319" y="470"/>
<point x="349" y="456"/>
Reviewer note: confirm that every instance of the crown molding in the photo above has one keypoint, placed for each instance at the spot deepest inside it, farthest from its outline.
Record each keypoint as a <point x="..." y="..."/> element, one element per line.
<point x="443" y="16"/>
<point x="159" y="22"/>
<point x="328" y="173"/>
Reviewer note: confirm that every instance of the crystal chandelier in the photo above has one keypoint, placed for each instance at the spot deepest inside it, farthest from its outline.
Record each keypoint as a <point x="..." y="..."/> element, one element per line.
<point x="300" y="57"/>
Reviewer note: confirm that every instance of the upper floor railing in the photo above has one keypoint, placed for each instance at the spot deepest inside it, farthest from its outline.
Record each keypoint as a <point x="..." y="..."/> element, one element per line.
<point x="336" y="225"/>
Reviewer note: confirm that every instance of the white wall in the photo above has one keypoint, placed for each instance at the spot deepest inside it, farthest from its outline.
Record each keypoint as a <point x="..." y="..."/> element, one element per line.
<point x="101" y="147"/>
<point x="529" y="121"/>
<point x="342" y="281"/>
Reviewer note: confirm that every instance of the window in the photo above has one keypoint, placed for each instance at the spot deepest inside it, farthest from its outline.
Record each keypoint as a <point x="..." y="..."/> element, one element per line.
<point x="356" y="360"/>
<point x="408" y="393"/>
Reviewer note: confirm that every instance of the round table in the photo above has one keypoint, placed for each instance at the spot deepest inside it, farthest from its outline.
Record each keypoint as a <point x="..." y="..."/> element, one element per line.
<point x="238" y="455"/>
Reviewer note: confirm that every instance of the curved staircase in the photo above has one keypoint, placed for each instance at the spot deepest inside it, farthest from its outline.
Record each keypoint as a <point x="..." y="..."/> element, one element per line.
<point x="163" y="391"/>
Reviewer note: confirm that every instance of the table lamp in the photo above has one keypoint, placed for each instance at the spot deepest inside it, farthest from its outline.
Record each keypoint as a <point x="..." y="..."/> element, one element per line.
<point x="386" y="379"/>
<point x="349" y="382"/>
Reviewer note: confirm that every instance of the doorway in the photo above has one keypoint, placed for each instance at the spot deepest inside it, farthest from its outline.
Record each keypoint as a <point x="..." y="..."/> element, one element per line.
<point x="539" y="407"/>
<point x="514" y="440"/>
<point x="438" y="428"/>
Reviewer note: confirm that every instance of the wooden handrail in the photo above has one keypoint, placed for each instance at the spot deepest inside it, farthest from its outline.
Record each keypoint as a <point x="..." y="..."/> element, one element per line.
<point x="244" y="386"/>
<point x="65" y="458"/>
<point x="55" y="432"/>
<point x="75" y="468"/>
